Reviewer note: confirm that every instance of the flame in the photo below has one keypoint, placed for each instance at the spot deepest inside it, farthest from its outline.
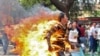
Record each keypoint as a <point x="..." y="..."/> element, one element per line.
<point x="29" y="35"/>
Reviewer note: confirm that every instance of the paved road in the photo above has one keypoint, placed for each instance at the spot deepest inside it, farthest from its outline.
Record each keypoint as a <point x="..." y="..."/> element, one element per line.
<point x="8" y="51"/>
<point x="11" y="54"/>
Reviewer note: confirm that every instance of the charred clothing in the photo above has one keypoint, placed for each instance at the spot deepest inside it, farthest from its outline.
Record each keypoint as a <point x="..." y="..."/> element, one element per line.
<point x="56" y="38"/>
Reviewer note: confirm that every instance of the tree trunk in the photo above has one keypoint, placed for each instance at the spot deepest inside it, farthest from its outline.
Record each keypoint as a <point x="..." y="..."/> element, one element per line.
<point x="63" y="5"/>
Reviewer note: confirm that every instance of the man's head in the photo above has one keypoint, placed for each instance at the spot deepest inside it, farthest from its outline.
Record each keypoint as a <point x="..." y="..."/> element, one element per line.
<point x="93" y="24"/>
<point x="74" y="24"/>
<point x="63" y="18"/>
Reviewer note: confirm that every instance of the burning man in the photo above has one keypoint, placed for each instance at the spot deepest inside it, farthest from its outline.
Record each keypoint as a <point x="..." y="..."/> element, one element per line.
<point x="57" y="37"/>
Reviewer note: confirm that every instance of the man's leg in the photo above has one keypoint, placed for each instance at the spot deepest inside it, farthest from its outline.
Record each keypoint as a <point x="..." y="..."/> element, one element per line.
<point x="5" y="43"/>
<point x="92" y="53"/>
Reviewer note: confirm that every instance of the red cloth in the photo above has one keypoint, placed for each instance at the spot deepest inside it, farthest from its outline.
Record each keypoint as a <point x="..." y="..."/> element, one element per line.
<point x="82" y="31"/>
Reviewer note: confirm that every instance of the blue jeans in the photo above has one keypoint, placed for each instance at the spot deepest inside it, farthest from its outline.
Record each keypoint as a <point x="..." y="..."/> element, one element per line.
<point x="83" y="40"/>
<point x="4" y="41"/>
<point x="93" y="44"/>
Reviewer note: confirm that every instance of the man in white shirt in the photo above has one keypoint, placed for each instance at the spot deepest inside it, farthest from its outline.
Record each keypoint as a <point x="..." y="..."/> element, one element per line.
<point x="73" y="33"/>
<point x="73" y="36"/>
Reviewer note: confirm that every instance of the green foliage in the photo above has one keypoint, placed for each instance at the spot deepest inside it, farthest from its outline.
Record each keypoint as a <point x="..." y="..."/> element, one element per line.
<point x="96" y="13"/>
<point x="29" y="3"/>
<point x="86" y="8"/>
<point x="74" y="12"/>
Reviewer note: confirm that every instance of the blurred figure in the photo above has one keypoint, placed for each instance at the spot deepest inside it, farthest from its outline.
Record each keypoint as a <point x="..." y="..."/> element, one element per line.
<point x="93" y="39"/>
<point x="58" y="44"/>
<point x="73" y="35"/>
<point x="69" y="26"/>
<point x="4" y="41"/>
<point x="63" y="20"/>
<point x="83" y="40"/>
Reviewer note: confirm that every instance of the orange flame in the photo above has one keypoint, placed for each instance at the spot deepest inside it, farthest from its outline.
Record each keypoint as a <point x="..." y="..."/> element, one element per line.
<point x="29" y="35"/>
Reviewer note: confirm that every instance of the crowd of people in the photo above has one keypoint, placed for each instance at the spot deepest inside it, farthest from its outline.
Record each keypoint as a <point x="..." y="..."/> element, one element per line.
<point x="78" y="35"/>
<point x="85" y="36"/>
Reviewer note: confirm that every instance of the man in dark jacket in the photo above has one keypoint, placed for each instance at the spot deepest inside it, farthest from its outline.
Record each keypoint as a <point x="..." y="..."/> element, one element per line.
<point x="4" y="41"/>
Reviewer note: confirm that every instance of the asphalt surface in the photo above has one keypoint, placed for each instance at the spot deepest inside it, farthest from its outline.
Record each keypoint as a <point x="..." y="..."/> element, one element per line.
<point x="8" y="51"/>
<point x="12" y="54"/>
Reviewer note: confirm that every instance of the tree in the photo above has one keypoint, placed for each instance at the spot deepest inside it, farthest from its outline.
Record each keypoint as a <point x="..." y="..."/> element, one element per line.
<point x="29" y="3"/>
<point x="63" y="5"/>
<point x="72" y="8"/>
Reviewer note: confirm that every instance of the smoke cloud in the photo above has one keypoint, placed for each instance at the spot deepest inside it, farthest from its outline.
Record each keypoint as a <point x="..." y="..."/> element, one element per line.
<point x="11" y="12"/>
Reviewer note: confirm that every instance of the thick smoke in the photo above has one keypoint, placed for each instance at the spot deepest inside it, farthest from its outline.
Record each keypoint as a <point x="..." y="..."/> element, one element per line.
<point x="11" y="11"/>
<point x="36" y="9"/>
